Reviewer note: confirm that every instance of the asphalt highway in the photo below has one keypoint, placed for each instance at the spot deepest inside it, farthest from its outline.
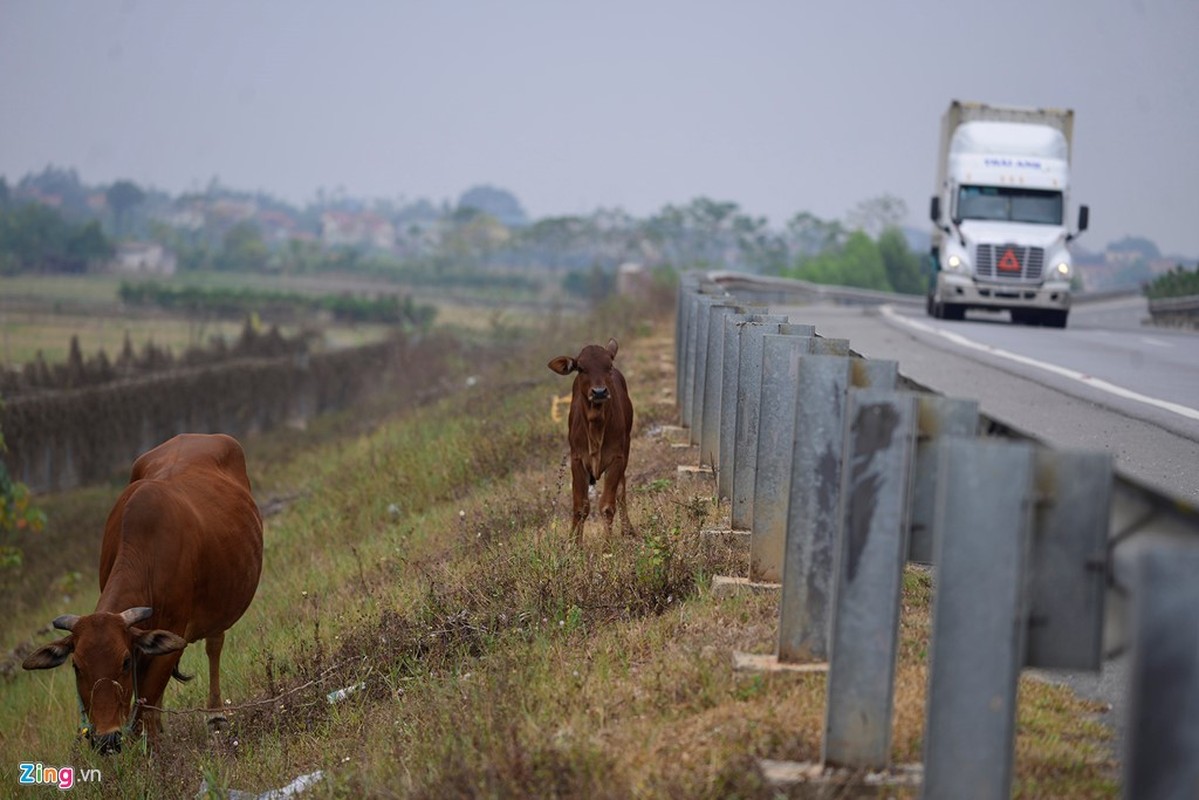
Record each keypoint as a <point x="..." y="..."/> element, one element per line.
<point x="1106" y="382"/>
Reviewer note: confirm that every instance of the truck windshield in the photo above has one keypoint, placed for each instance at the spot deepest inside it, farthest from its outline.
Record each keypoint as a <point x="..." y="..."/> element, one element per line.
<point x="1010" y="203"/>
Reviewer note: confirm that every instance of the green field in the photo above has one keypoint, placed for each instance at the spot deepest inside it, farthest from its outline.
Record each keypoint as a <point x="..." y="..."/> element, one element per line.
<point x="425" y="555"/>
<point x="41" y="314"/>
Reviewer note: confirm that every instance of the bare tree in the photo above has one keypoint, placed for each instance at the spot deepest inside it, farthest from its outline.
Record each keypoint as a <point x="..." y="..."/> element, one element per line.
<point x="877" y="214"/>
<point x="122" y="196"/>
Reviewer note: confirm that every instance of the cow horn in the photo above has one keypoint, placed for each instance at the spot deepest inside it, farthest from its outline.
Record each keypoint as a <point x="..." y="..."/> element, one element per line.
<point x="66" y="622"/>
<point x="132" y="615"/>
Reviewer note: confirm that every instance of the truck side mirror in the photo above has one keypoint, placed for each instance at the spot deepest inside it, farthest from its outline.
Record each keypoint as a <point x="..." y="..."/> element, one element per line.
<point x="934" y="210"/>
<point x="1084" y="216"/>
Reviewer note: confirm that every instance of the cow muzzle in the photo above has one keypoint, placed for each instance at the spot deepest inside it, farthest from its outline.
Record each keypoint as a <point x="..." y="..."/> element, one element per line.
<point x="106" y="743"/>
<point x="599" y="394"/>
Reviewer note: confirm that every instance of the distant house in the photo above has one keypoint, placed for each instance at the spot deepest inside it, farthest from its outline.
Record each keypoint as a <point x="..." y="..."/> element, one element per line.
<point x="1123" y="258"/>
<point x="277" y="227"/>
<point x="231" y="210"/>
<point x="361" y="229"/>
<point x="188" y="217"/>
<point x="142" y="258"/>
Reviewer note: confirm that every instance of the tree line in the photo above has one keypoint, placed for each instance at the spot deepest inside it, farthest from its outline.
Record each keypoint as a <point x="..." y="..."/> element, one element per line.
<point x="241" y="302"/>
<point x="39" y="238"/>
<point x="472" y="247"/>
<point x="483" y="240"/>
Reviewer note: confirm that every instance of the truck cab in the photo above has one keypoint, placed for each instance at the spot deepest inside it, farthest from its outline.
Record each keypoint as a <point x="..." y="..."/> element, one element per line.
<point x="1000" y="238"/>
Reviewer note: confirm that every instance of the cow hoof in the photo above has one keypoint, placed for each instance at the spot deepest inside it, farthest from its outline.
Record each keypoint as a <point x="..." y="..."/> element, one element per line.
<point x="218" y="724"/>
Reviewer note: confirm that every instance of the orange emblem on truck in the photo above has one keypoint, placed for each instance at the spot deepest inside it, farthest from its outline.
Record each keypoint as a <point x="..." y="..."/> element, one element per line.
<point x="1008" y="261"/>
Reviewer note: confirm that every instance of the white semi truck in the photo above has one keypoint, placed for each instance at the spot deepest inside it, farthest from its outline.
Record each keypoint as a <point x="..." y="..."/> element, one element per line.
<point x="999" y="213"/>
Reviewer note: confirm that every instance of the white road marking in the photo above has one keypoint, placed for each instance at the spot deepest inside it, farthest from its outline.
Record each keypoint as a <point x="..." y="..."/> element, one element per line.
<point x="1156" y="342"/>
<point x="1096" y="383"/>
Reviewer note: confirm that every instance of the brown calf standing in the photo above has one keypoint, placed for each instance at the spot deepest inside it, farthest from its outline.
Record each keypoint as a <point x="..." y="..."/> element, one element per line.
<point x="600" y="424"/>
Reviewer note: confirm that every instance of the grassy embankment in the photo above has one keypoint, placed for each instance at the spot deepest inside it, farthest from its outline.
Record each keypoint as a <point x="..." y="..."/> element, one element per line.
<point x="498" y="658"/>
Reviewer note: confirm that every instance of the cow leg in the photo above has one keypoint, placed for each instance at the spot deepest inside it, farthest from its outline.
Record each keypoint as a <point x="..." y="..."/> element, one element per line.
<point x="608" y="503"/>
<point x="153" y="675"/>
<point x="149" y="722"/>
<point x="626" y="527"/>
<point x="613" y="490"/>
<point x="216" y="717"/>
<point x="580" y="480"/>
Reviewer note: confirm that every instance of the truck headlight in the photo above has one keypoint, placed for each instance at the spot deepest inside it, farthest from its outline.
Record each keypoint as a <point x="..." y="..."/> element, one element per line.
<point x="955" y="262"/>
<point x="1062" y="271"/>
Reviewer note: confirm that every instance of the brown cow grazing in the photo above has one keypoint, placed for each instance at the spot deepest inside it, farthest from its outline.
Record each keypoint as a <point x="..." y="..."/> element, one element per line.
<point x="182" y="553"/>
<point x="600" y="423"/>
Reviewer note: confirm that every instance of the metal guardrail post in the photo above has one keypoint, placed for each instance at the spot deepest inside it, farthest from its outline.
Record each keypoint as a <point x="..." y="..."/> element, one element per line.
<point x="1162" y="749"/>
<point x="726" y="401"/>
<point x="1069" y="560"/>
<point x="688" y="287"/>
<point x="814" y="496"/>
<point x="776" y="437"/>
<point x="709" y="423"/>
<point x="703" y="328"/>
<point x="982" y="537"/>
<point x="698" y="354"/>
<point x="687" y="380"/>
<point x="872" y="373"/>
<point x="730" y="403"/>
<point x="708" y="294"/>
<point x="870" y="554"/>
<point x="749" y="408"/>
<point x="776" y="441"/>
<point x="832" y="347"/>
<point x="814" y="507"/>
<point x="939" y="416"/>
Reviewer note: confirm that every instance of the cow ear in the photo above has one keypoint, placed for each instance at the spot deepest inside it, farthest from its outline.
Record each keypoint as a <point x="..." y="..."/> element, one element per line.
<point x="563" y="365"/>
<point x="157" y="642"/>
<point x="612" y="347"/>
<point x="50" y="655"/>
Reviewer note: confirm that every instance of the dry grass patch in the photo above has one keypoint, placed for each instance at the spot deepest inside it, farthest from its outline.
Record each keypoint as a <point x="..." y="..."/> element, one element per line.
<point x="499" y="659"/>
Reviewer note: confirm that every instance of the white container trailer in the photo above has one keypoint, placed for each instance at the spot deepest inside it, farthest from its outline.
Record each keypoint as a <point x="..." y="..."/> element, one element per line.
<point x="999" y="231"/>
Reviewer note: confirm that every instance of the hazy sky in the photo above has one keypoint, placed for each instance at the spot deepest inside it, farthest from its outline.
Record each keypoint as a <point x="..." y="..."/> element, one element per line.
<point x="778" y="106"/>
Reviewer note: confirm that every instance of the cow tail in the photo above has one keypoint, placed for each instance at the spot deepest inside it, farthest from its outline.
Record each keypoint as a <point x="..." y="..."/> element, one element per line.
<point x="179" y="676"/>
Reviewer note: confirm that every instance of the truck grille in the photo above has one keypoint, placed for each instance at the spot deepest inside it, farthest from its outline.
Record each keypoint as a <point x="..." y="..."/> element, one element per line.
<point x="1009" y="262"/>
